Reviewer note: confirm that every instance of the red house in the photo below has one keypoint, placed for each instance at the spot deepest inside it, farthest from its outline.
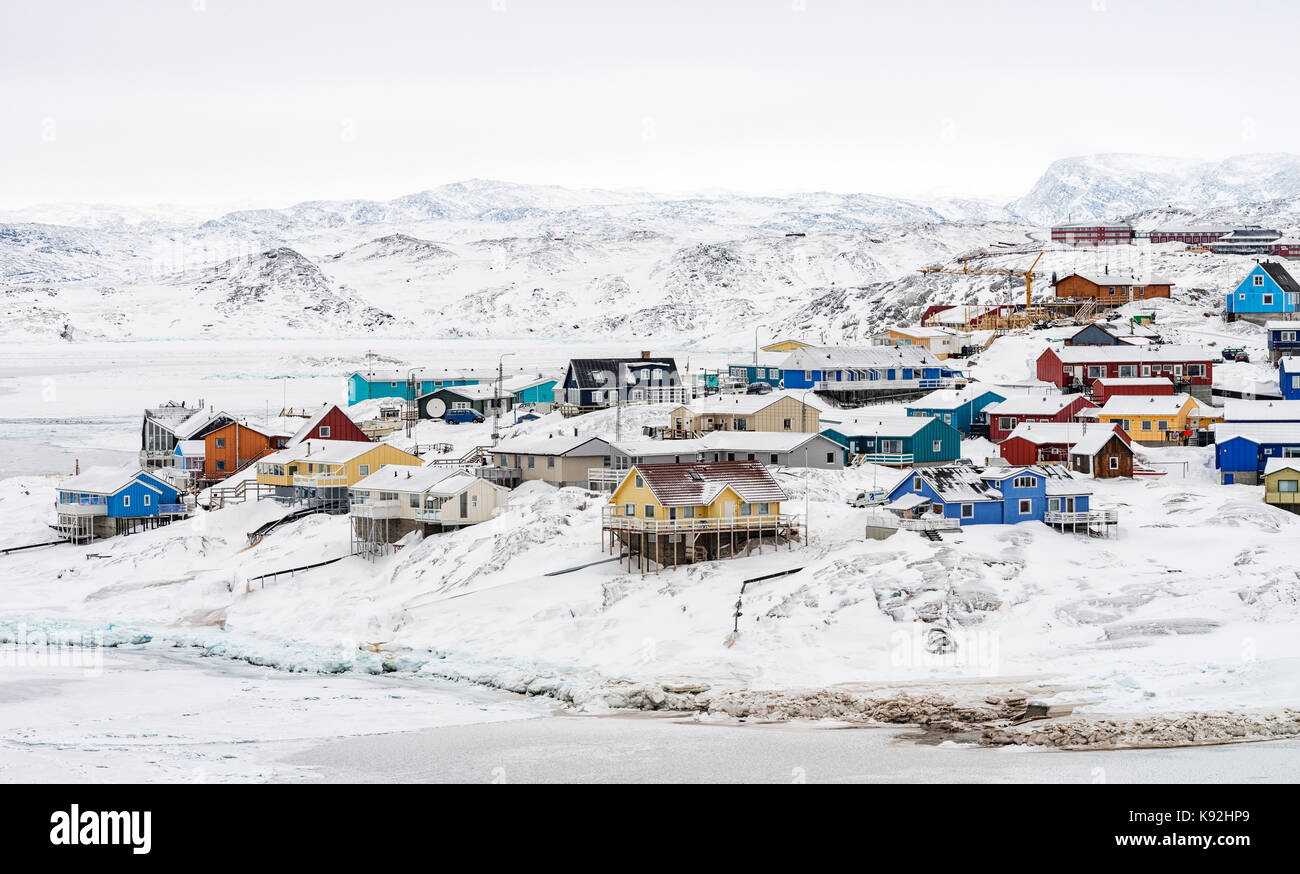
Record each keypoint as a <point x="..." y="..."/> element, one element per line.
<point x="1035" y="442"/>
<point x="1108" y="387"/>
<point x="1004" y="416"/>
<point x="1083" y="365"/>
<point x="330" y="423"/>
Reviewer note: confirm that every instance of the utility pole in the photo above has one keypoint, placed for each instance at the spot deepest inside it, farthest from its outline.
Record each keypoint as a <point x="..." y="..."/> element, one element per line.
<point x="496" y="401"/>
<point x="619" y="380"/>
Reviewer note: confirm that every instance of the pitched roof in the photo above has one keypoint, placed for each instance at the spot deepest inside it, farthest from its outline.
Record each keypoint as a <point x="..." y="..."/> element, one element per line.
<point x="695" y="483"/>
<point x="1128" y="353"/>
<point x="757" y="441"/>
<point x="597" y="372"/>
<point x="320" y="451"/>
<point x="1279" y="274"/>
<point x="1134" y="381"/>
<point x="1032" y="405"/>
<point x="1145" y="405"/>
<point x="310" y="424"/>
<point x="1237" y="410"/>
<point x="437" y="479"/>
<point x="955" y="483"/>
<point x="1257" y="432"/>
<point x="951" y="398"/>
<point x="740" y="404"/>
<point x="1276" y="464"/>
<point x="484" y="391"/>
<point x="1040" y="433"/>
<point x="560" y="444"/>
<point x="853" y="358"/>
<point x="192" y="448"/>
<point x="1094" y="441"/>
<point x="107" y="480"/>
<point x="1105" y="279"/>
<point x="1290" y="364"/>
<point x="887" y="426"/>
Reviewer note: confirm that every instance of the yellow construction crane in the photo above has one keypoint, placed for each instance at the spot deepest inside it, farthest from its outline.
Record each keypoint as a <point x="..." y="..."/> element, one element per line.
<point x="963" y="269"/>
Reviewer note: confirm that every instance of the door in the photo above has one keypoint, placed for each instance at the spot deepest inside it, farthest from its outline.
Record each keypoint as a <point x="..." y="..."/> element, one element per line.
<point x="464" y="504"/>
<point x="729" y="509"/>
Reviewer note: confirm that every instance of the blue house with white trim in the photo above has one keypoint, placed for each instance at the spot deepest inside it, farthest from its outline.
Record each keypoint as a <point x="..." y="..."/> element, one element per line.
<point x="853" y="374"/>
<point x="1243" y="449"/>
<point x="1288" y="377"/>
<point x="965" y="495"/>
<point x="956" y="407"/>
<point x="104" y="501"/>
<point x="1268" y="288"/>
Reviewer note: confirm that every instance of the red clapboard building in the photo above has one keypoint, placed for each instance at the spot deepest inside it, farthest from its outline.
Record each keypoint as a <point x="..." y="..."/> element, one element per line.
<point x="1093" y="234"/>
<point x="1185" y="366"/>
<point x="330" y="423"/>
<point x="1108" y="387"/>
<point x="1036" y="442"/>
<point x="1004" y="416"/>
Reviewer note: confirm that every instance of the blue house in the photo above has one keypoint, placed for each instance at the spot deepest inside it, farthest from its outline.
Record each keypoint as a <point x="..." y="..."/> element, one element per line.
<point x="1288" y="377"/>
<point x="534" y="391"/>
<point x="1243" y="449"/>
<point x="963" y="495"/>
<point x="854" y="374"/>
<point x="956" y="407"/>
<point x="767" y="370"/>
<point x="898" y="440"/>
<point x="1266" y="289"/>
<point x="104" y="501"/>
<point x="396" y="383"/>
<point x="1283" y="339"/>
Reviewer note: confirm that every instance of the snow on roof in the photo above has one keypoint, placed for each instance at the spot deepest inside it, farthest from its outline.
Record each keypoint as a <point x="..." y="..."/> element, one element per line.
<point x="315" y="420"/>
<point x="848" y="357"/>
<point x="916" y="331"/>
<point x="1281" y="325"/>
<point x="1093" y="442"/>
<point x="758" y="441"/>
<point x="739" y="404"/>
<point x="192" y="448"/>
<point x="561" y="444"/>
<point x="1236" y="410"/>
<point x="689" y="484"/>
<point x="1145" y="405"/>
<point x="422" y="374"/>
<point x="1257" y="432"/>
<point x="1129" y="353"/>
<point x="1040" y="433"/>
<point x="888" y="426"/>
<point x="1032" y="405"/>
<point x="1290" y="364"/>
<point x="104" y="480"/>
<point x="1134" y="381"/>
<point x="956" y="483"/>
<point x="950" y="398"/>
<point x="436" y="479"/>
<point x="651" y="448"/>
<point x="1109" y="280"/>
<point x="907" y="501"/>
<point x="486" y="391"/>
<point x="1277" y="464"/>
<point x="320" y="451"/>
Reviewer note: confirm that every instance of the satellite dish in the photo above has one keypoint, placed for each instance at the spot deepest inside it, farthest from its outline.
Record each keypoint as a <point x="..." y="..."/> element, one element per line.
<point x="436" y="408"/>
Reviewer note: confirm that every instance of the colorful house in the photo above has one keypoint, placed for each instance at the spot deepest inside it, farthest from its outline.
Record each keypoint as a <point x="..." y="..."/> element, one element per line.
<point x="1190" y="368"/>
<point x="786" y="346"/>
<point x="1242" y="450"/>
<point x="960" y="495"/>
<point x="320" y="472"/>
<point x="959" y="407"/>
<point x="1005" y="415"/>
<point x="942" y="342"/>
<point x="1039" y="442"/>
<point x="329" y="423"/>
<point x="775" y="411"/>
<point x="1112" y="386"/>
<point x="682" y="513"/>
<point x="1283" y="339"/>
<point x="1282" y="484"/>
<point x="189" y="459"/>
<point x="164" y="427"/>
<point x="898" y="440"/>
<point x="1111" y="289"/>
<point x="766" y="370"/>
<point x="1102" y="454"/>
<point x="482" y="399"/>
<point x="409" y="384"/>
<point x="599" y="383"/>
<point x="1288" y="377"/>
<point x="1154" y="420"/>
<point x="537" y="392"/>
<point x="233" y="447"/>
<point x="853" y="374"/>
<point x="104" y="501"/>
<point x="398" y="499"/>
<point x="1268" y="288"/>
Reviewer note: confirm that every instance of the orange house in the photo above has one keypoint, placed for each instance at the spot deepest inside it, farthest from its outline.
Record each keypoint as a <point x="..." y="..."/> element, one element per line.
<point x="228" y="449"/>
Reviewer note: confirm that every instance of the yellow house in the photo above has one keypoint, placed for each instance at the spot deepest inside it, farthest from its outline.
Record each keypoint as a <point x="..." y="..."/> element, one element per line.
<point x="675" y="513"/>
<point x="323" y="470"/>
<point x="1154" y="420"/>
<point x="786" y="346"/>
<point x="1282" y="483"/>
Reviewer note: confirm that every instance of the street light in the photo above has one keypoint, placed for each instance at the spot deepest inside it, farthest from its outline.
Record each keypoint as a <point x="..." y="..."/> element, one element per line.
<point x="496" y="401"/>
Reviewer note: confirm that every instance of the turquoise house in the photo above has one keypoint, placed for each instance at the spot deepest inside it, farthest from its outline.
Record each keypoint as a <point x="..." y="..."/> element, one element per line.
<point x="535" y="391"/>
<point x="956" y="407"/>
<point x="394" y="383"/>
<point x="1266" y="289"/>
<point x="898" y="440"/>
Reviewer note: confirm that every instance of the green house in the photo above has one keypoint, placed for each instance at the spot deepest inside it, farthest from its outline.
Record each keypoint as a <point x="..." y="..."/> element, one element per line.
<point x="898" y="440"/>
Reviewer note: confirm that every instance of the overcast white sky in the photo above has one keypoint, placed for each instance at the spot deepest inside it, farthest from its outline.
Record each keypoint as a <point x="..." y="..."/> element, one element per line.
<point x="222" y="101"/>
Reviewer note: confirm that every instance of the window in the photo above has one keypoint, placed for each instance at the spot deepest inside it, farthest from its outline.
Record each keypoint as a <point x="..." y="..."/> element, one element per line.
<point x="787" y="424"/>
<point x="937" y="446"/>
<point x="415" y="500"/>
<point x="324" y="431"/>
<point x="649" y="511"/>
<point x="640" y="483"/>
<point x="891" y="447"/>
<point x="830" y="458"/>
<point x="763" y="509"/>
<point x="532" y="461"/>
<point x="1006" y="423"/>
<point x="772" y="458"/>
<point x="1162" y="425"/>
<point x="363" y="469"/>
<point x="1146" y="424"/>
<point x="1054" y="505"/>
<point x="742" y="424"/>
<point x="126" y="500"/>
<point x="1128" y="371"/>
<point x="1096" y="371"/>
<point x="968" y="511"/>
<point x="1259" y="282"/>
<point x="550" y="461"/>
<point x="1268" y="300"/>
<point x="686" y="512"/>
<point x="629" y="509"/>
<point x="221" y="465"/>
<point x="1114" y="462"/>
<point x="1288" y="485"/>
<point x="1196" y="370"/>
<point x="147" y="499"/>
<point x="1024" y="482"/>
<point x="221" y="442"/>
<point x="1287" y="336"/>
<point x="916" y="483"/>
<point x="746" y="509"/>
<point x="1024" y="506"/>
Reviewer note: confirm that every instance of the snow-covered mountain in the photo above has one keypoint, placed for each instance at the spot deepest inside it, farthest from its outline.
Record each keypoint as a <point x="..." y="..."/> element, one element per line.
<point x="1110" y="186"/>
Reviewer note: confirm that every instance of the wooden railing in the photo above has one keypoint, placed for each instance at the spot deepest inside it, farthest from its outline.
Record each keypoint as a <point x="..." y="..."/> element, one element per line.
<point x="933" y="522"/>
<point x="611" y="519"/>
<point x="1087" y="517"/>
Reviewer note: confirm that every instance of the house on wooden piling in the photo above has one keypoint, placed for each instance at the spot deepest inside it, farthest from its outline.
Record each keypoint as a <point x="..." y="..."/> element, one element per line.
<point x="1267" y="289"/>
<point x="673" y="514"/>
<point x="233" y="447"/>
<point x="104" y="501"/>
<point x="398" y="499"/>
<point x="1107" y="289"/>
<point x="773" y="449"/>
<point x="1283" y="339"/>
<point x="1288" y="377"/>
<point x="165" y="426"/>
<point x="319" y="472"/>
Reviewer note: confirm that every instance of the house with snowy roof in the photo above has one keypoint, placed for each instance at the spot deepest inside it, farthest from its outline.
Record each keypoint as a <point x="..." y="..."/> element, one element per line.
<point x="1050" y="442"/>
<point x="1242" y="450"/>
<point x="898" y="440"/>
<point x="958" y="407"/>
<point x="104" y="501"/>
<point x="775" y="411"/>
<point x="397" y="499"/>
<point x="599" y="383"/>
<point x="673" y="514"/>
<point x="1005" y="415"/>
<point x="319" y="472"/>
<point x="1288" y="377"/>
<point x="856" y="374"/>
<point x="163" y="427"/>
<point x="1154" y="420"/>
<point x="1267" y="288"/>
<point x="1282" y="484"/>
<point x="484" y="399"/>
<point x="1106" y="288"/>
<point x="558" y="459"/>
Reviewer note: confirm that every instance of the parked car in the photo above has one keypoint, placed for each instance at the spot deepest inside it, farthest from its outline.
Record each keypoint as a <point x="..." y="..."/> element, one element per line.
<point x="1235" y="355"/>
<point x="455" y="417"/>
<point x="872" y="498"/>
<point x="758" y="388"/>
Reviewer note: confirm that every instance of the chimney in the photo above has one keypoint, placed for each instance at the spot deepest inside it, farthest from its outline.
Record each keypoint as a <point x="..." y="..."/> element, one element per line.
<point x="645" y="354"/>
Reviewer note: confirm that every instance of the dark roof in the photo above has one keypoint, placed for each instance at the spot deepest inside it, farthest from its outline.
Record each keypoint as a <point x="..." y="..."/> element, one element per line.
<point x="588" y="372"/>
<point x="1279" y="275"/>
<point x="701" y="482"/>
